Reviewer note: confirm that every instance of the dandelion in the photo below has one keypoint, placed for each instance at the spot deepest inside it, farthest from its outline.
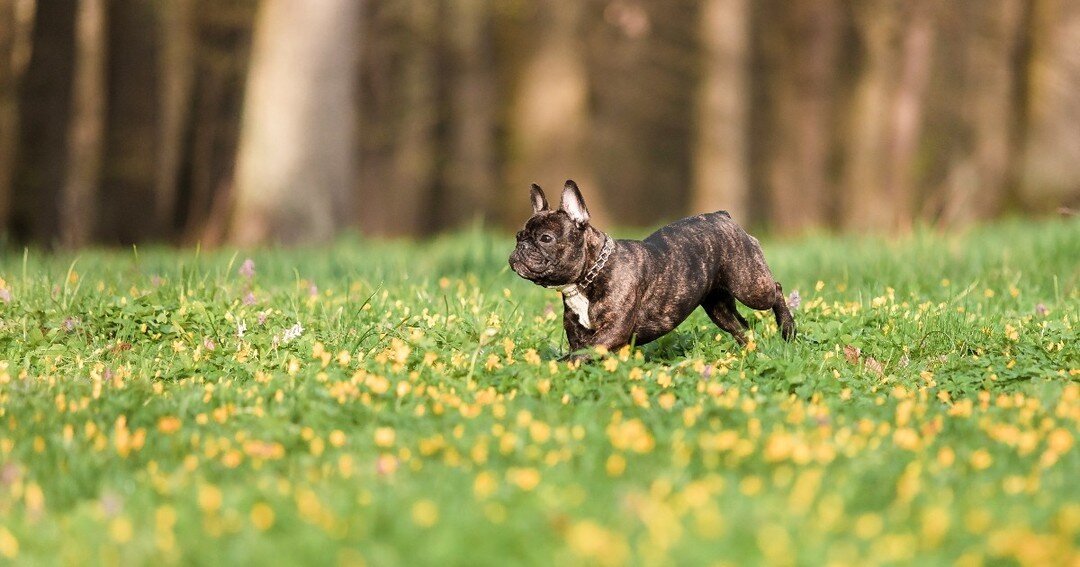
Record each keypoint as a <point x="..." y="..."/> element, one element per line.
<point x="247" y="269"/>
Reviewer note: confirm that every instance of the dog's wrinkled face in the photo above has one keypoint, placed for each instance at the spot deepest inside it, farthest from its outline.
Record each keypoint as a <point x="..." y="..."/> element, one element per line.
<point x="551" y="248"/>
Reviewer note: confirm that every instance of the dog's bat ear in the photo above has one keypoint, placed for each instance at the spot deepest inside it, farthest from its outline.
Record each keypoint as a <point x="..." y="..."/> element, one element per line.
<point x="539" y="201"/>
<point x="573" y="203"/>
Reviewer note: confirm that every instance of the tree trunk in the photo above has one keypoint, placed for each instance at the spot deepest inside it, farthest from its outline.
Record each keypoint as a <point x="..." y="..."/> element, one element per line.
<point x="469" y="176"/>
<point x="399" y="111"/>
<point x="177" y="73"/>
<point x="78" y="204"/>
<point x="642" y="76"/>
<point x="549" y="120"/>
<point x="127" y="212"/>
<point x="804" y="75"/>
<point x="721" y="144"/>
<point x="16" y="24"/>
<point x="981" y="160"/>
<point x="885" y="123"/>
<point x="45" y="106"/>
<point x="296" y="157"/>
<point x="1051" y="168"/>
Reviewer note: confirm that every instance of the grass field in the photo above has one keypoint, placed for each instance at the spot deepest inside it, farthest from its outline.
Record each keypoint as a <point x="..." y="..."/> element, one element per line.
<point x="399" y="404"/>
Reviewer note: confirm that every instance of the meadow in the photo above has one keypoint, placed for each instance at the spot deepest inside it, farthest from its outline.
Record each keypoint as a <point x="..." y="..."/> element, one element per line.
<point x="399" y="403"/>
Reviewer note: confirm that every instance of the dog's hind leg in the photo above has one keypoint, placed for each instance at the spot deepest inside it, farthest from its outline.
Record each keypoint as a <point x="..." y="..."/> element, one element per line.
<point x="720" y="306"/>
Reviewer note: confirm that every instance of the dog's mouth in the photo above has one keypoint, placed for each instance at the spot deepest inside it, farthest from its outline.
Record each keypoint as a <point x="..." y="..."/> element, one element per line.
<point x="529" y="266"/>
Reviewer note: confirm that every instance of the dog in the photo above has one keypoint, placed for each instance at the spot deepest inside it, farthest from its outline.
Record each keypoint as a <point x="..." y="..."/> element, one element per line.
<point x="618" y="292"/>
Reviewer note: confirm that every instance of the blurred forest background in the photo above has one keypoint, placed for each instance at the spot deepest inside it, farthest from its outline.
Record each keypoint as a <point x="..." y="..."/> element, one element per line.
<point x="250" y="121"/>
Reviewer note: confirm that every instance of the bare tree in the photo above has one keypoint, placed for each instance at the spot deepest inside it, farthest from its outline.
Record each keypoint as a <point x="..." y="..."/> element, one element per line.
<point x="721" y="144"/>
<point x="296" y="158"/>
<point x="77" y="204"/>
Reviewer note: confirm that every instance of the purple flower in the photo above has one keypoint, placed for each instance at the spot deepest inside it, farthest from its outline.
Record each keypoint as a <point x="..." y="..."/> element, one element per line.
<point x="249" y="299"/>
<point x="707" y="372"/>
<point x="247" y="269"/>
<point x="794" y="300"/>
<point x="5" y="295"/>
<point x="208" y="344"/>
<point x="70" y="323"/>
<point x="1041" y="310"/>
<point x="156" y="281"/>
<point x="313" y="290"/>
<point x="262" y="317"/>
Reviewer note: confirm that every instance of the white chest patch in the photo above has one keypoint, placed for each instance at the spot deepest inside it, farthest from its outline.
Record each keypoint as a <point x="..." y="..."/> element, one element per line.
<point x="577" y="303"/>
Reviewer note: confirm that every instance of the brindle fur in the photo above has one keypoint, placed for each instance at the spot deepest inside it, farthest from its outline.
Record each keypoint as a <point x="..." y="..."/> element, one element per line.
<point x="647" y="287"/>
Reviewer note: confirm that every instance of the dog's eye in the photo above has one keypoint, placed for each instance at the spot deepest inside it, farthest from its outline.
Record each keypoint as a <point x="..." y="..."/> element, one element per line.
<point x="547" y="238"/>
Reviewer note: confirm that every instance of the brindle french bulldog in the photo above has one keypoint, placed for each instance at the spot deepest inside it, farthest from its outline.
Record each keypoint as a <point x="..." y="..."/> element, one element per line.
<point x="618" y="291"/>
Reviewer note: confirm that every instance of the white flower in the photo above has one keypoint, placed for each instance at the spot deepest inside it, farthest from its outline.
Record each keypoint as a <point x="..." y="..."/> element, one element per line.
<point x="241" y="327"/>
<point x="292" y="332"/>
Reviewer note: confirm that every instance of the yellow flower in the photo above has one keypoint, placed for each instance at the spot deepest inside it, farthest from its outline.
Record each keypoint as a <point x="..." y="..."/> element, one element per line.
<point x="209" y="498"/>
<point x="492" y="362"/>
<point x="630" y="435"/>
<point x="615" y="465"/>
<point x="337" y="437"/>
<point x="1012" y="334"/>
<point x="385" y="436"/>
<point x="981" y="459"/>
<point x="168" y="424"/>
<point x="868" y="525"/>
<point x="1059" y="441"/>
<point x="597" y="545"/>
<point x="524" y="478"/>
<point x="9" y="546"/>
<point x="988" y="293"/>
<point x="262" y="516"/>
<point x="484" y="485"/>
<point x="120" y="530"/>
<point x="425" y="513"/>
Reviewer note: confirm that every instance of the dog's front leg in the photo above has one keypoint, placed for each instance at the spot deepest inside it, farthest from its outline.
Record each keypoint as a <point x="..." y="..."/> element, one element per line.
<point x="612" y="335"/>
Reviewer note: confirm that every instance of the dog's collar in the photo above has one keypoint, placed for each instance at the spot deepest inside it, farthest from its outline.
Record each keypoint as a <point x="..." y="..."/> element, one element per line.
<point x="575" y="299"/>
<point x="592" y="272"/>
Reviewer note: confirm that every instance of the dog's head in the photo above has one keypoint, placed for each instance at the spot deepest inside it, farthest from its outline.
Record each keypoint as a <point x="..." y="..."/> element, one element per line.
<point x="551" y="248"/>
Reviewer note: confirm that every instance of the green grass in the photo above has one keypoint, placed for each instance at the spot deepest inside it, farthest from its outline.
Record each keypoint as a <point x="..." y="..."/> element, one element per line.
<point x="927" y="413"/>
